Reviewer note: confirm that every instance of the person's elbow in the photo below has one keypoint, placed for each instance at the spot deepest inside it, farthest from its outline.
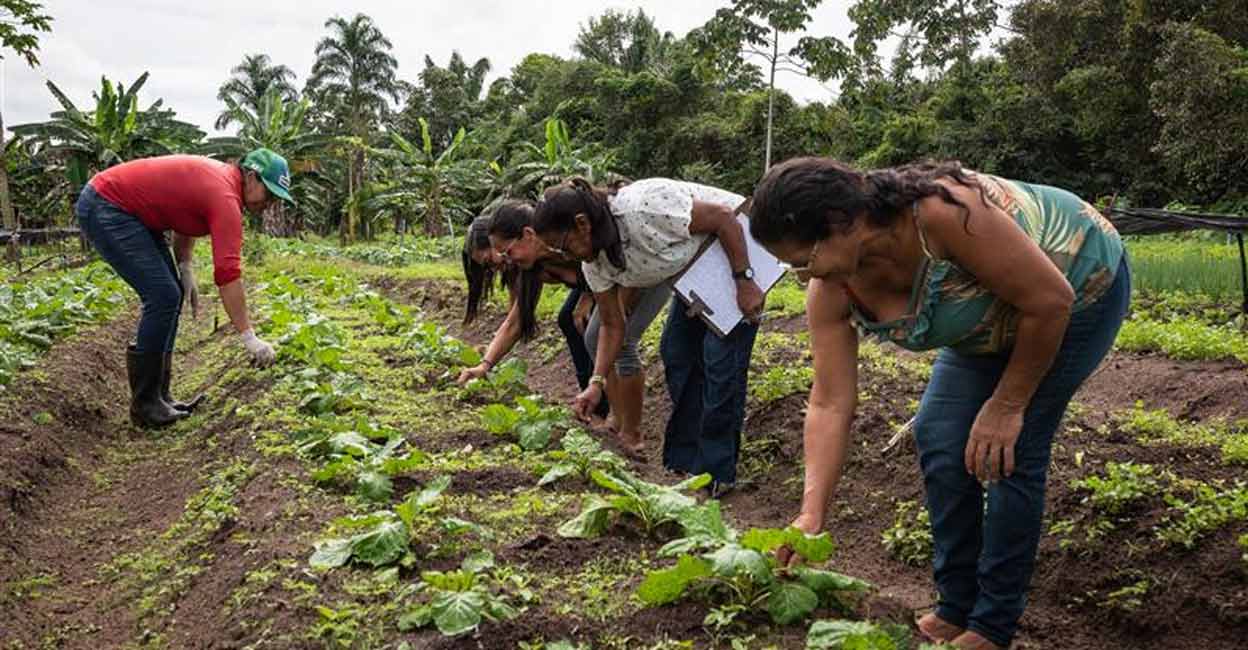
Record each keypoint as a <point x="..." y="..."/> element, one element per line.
<point x="1056" y="302"/>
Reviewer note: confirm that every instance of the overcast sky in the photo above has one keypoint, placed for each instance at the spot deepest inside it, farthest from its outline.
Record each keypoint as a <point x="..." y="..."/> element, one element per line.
<point x="189" y="47"/>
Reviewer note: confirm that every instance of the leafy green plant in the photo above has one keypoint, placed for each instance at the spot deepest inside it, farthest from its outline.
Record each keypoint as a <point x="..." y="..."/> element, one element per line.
<point x="744" y="574"/>
<point x="1183" y="338"/>
<point x="323" y="391"/>
<point x="504" y="381"/>
<point x="781" y="381"/>
<point x="1210" y="508"/>
<point x="651" y="505"/>
<point x="530" y="421"/>
<point x="859" y="635"/>
<point x="384" y="537"/>
<point x="1122" y="485"/>
<point x="390" y="317"/>
<point x="580" y="455"/>
<point x="351" y="455"/>
<point x="909" y="539"/>
<point x="434" y="347"/>
<point x="34" y="314"/>
<point x="459" y="601"/>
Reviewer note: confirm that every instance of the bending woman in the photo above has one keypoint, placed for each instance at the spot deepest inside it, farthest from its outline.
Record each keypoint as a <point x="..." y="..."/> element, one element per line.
<point x="1022" y="286"/>
<point x="482" y="263"/>
<point x="631" y="244"/>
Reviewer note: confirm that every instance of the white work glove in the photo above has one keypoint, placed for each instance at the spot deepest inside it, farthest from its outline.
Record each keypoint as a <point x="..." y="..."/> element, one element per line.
<point x="189" y="290"/>
<point x="262" y="353"/>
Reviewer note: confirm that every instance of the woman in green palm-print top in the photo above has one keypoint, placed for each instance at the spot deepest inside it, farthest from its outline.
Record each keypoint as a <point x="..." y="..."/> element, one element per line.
<point x="1023" y="287"/>
<point x="952" y="308"/>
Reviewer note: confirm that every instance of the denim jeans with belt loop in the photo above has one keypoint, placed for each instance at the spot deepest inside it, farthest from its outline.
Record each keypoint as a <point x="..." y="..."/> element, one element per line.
<point x="985" y="539"/>
<point x="142" y="258"/>
<point x="706" y="378"/>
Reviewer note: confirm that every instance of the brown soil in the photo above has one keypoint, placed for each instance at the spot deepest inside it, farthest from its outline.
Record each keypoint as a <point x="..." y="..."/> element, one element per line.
<point x="87" y="489"/>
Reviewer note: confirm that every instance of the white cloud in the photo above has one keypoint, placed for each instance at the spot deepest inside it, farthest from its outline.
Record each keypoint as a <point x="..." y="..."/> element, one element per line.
<point x="190" y="47"/>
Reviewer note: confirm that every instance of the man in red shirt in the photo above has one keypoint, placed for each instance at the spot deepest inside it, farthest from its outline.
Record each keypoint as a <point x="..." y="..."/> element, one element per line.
<point x="125" y="211"/>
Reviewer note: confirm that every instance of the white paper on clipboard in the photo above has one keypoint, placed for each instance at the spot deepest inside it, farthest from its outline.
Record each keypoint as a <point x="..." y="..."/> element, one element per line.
<point x="708" y="287"/>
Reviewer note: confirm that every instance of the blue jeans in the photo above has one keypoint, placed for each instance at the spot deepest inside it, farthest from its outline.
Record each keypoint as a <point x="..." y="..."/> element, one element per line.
<point x="706" y="378"/>
<point x="984" y="554"/>
<point x="582" y="357"/>
<point x="142" y="258"/>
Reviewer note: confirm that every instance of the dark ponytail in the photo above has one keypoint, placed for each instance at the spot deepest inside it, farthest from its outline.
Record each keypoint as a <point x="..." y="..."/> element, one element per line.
<point x="808" y="199"/>
<point x="560" y="204"/>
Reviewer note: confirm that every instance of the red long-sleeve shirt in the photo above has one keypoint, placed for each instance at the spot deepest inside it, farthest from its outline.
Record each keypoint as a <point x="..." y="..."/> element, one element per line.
<point x="190" y="195"/>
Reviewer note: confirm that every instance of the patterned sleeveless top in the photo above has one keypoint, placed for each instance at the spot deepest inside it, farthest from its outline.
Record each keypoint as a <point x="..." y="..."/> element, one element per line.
<point x="950" y="308"/>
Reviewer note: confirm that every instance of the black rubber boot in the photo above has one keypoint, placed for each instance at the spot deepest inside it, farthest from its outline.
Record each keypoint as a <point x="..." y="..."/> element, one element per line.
<point x="147" y="409"/>
<point x="166" y="376"/>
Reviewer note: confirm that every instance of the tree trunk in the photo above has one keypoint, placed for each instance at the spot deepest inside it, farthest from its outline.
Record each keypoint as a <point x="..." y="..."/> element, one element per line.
<point x="6" y="204"/>
<point x="771" y="94"/>
<point x="434" y="214"/>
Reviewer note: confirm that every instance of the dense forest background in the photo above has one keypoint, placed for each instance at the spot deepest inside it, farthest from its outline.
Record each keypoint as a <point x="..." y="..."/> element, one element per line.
<point x="1142" y="100"/>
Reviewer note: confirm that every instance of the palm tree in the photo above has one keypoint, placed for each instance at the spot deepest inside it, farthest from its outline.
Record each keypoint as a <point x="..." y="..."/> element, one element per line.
<point x="250" y="82"/>
<point x="354" y="75"/>
<point x="116" y="131"/>
<point x="280" y="124"/>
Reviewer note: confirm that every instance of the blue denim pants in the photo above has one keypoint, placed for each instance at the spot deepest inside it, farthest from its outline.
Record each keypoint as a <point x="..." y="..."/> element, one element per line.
<point x="706" y="378"/>
<point x="142" y="258"/>
<point x="985" y="539"/>
<point x="582" y="356"/>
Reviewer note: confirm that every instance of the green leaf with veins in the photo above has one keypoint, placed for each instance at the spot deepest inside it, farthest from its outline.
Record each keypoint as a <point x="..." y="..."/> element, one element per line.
<point x="668" y="585"/>
<point x="789" y="602"/>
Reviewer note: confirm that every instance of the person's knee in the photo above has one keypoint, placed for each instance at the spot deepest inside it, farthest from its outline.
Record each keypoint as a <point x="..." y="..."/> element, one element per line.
<point x="162" y="301"/>
<point x="628" y="362"/>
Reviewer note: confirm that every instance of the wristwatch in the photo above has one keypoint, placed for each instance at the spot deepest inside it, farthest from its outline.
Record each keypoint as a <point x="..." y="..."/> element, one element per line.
<point x="598" y="379"/>
<point x="746" y="273"/>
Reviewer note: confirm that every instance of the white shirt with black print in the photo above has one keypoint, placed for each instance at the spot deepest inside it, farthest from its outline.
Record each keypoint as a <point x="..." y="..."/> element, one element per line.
<point x="653" y="216"/>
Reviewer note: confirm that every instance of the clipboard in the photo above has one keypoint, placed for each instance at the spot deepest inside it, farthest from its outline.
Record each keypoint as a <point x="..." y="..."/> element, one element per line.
<point x="707" y="287"/>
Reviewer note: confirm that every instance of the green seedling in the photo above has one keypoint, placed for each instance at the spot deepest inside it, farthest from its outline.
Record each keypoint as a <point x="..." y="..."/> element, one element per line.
<point x="650" y="505"/>
<point x="530" y="422"/>
<point x="384" y="537"/>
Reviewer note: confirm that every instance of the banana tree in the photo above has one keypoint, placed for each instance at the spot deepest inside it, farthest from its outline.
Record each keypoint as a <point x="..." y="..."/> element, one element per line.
<point x="540" y="167"/>
<point x="439" y="188"/>
<point x="85" y="142"/>
<point x="279" y="125"/>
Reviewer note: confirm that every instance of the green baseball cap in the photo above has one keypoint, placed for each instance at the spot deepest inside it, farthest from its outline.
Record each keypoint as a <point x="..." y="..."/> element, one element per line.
<point x="273" y="170"/>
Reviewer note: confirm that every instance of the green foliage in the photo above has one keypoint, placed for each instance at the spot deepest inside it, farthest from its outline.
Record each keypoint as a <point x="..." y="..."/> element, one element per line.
<point x="459" y="601"/>
<point x="412" y="251"/>
<point x="1155" y="426"/>
<point x="581" y="454"/>
<point x="504" y="381"/>
<point x="324" y="391"/>
<point x="35" y="314"/>
<point x="19" y="31"/>
<point x="434" y="347"/>
<point x="744" y="576"/>
<point x="384" y="537"/>
<point x="1172" y="272"/>
<point x="856" y="635"/>
<point x="1124" y="484"/>
<point x="909" y="539"/>
<point x="651" y="506"/>
<point x="359" y="453"/>
<point x="530" y="421"/>
<point x="781" y="381"/>
<point x="1184" y="338"/>
<point x="114" y="132"/>
<point x="1210" y="508"/>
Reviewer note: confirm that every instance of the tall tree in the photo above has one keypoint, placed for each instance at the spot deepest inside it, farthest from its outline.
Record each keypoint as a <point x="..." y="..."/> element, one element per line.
<point x="626" y="40"/>
<point x="755" y="28"/>
<point x="448" y="98"/>
<point x="249" y="84"/>
<point x="21" y="21"/>
<point x="354" y="76"/>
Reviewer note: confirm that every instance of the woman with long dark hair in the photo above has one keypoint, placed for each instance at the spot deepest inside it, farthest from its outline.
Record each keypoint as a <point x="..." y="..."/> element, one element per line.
<point x="631" y="244"/>
<point x="483" y="264"/>
<point x="1023" y="288"/>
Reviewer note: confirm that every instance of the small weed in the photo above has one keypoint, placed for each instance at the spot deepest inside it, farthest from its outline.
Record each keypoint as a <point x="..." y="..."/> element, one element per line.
<point x="1210" y="509"/>
<point x="910" y="537"/>
<point x="1122" y="485"/>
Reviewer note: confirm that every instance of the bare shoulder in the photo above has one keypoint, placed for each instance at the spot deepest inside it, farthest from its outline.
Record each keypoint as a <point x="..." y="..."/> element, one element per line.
<point x="941" y="219"/>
